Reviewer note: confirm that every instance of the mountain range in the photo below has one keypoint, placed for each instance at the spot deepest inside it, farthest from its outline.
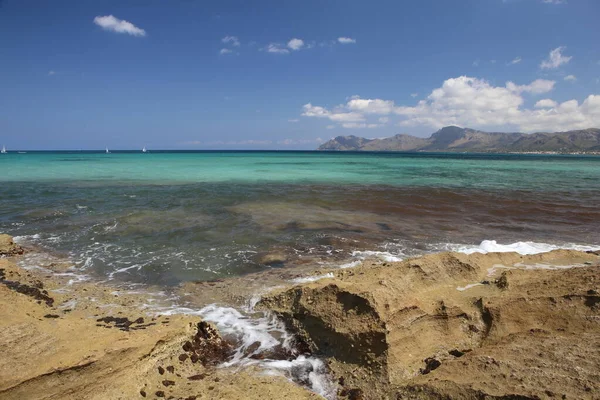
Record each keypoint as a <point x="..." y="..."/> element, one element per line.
<point x="456" y="139"/>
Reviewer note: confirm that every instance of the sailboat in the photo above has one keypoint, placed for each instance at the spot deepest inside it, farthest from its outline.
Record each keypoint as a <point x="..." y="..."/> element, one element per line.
<point x="107" y="152"/>
<point x="3" y="151"/>
<point x="144" y="150"/>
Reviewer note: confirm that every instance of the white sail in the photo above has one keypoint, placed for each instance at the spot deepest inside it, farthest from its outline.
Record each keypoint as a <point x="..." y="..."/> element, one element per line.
<point x="107" y="151"/>
<point x="3" y="150"/>
<point x="144" y="150"/>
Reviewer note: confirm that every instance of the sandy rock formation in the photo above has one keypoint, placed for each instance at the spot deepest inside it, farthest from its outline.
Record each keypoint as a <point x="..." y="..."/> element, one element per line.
<point x="85" y="341"/>
<point x="7" y="247"/>
<point x="449" y="325"/>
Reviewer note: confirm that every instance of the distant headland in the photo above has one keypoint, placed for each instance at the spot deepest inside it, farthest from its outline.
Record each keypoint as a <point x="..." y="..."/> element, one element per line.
<point x="456" y="139"/>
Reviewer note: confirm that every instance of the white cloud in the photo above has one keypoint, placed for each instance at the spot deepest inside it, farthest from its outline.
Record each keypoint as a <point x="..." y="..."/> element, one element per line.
<point x="555" y="59"/>
<point x="570" y="78"/>
<point x="276" y="49"/>
<point x="370" y="106"/>
<point x="359" y="125"/>
<point x="516" y="60"/>
<point x="546" y="103"/>
<point x="538" y="86"/>
<point x="231" y="40"/>
<point x="384" y="120"/>
<point x="114" y="24"/>
<point x="50" y="73"/>
<point x="476" y="63"/>
<point x="335" y="116"/>
<point x="295" y="44"/>
<point x="225" y="51"/>
<point x="493" y="61"/>
<point x="470" y="102"/>
<point x="293" y="120"/>
<point x="330" y="127"/>
<point x="414" y="94"/>
<point x="554" y="1"/>
<point x="346" y="40"/>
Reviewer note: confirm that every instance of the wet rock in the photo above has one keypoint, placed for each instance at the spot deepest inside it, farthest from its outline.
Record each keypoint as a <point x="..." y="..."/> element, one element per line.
<point x="123" y="323"/>
<point x="430" y="365"/>
<point x="34" y="290"/>
<point x="502" y="282"/>
<point x="198" y="377"/>
<point x="207" y="346"/>
<point x="352" y="394"/>
<point x="8" y="248"/>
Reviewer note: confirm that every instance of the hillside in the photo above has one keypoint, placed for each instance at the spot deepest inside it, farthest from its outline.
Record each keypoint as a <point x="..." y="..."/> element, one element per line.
<point x="453" y="138"/>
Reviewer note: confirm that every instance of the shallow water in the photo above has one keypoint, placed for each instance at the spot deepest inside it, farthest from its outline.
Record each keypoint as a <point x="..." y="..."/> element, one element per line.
<point x="167" y="217"/>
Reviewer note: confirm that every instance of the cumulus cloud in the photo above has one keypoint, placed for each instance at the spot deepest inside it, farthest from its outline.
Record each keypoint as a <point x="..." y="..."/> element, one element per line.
<point x="546" y="103"/>
<point x="295" y="44"/>
<point x="471" y="102"/>
<point x="114" y="24"/>
<point x="231" y="40"/>
<point x="370" y="106"/>
<point x="225" y="51"/>
<point x="346" y="40"/>
<point x="276" y="48"/>
<point x="538" y="86"/>
<point x="516" y="60"/>
<point x="570" y="78"/>
<point x="555" y="59"/>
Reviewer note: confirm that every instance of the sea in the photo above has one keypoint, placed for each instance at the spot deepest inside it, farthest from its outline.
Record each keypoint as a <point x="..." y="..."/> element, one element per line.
<point x="166" y="217"/>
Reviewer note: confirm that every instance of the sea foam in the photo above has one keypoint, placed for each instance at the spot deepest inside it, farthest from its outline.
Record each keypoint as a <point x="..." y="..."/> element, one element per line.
<point x="260" y="332"/>
<point x="523" y="248"/>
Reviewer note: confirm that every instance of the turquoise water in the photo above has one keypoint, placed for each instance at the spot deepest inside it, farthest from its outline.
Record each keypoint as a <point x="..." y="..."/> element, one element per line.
<point x="171" y="216"/>
<point x="434" y="170"/>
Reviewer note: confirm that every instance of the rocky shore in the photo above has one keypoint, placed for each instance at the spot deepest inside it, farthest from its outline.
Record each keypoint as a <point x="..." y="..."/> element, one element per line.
<point x="443" y="326"/>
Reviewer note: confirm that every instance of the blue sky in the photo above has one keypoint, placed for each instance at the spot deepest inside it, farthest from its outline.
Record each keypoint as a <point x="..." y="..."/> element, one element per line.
<point x="280" y="74"/>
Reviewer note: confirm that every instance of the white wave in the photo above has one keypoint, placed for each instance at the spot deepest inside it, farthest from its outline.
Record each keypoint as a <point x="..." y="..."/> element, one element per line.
<point x="312" y="278"/>
<point x="523" y="248"/>
<point x="124" y="269"/>
<point x="26" y="238"/>
<point x="350" y="264"/>
<point x="384" y="255"/>
<point x="111" y="228"/>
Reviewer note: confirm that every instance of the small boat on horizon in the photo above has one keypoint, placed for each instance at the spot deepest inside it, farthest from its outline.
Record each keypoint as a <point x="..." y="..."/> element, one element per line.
<point x="107" y="152"/>
<point x="144" y="150"/>
<point x="3" y="151"/>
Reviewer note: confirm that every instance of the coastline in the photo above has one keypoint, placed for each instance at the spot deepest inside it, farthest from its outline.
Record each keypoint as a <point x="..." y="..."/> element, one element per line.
<point x="445" y="324"/>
